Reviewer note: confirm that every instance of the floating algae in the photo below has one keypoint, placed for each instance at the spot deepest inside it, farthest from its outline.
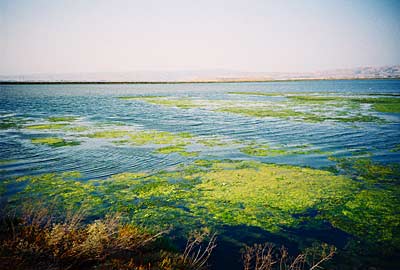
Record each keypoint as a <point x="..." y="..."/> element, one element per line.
<point x="160" y="100"/>
<point x="212" y="142"/>
<point x="54" y="142"/>
<point x="57" y="126"/>
<point x="12" y="122"/>
<point x="62" y="118"/>
<point x="367" y="170"/>
<point x="262" y="150"/>
<point x="300" y="115"/>
<point x="372" y="214"/>
<point x="396" y="148"/>
<point x="317" y="108"/>
<point x="380" y="104"/>
<point x="179" y="103"/>
<point x="179" y="148"/>
<point x="109" y="134"/>
<point x="211" y="191"/>
<point x="158" y="137"/>
<point x="143" y="137"/>
<point x="309" y="108"/>
<point x="77" y="129"/>
<point x="263" y="112"/>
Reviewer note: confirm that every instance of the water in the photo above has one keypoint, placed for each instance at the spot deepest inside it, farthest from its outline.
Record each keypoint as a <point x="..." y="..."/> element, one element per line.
<point x="97" y="105"/>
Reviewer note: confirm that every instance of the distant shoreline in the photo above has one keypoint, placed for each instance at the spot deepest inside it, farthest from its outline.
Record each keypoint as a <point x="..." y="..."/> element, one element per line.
<point x="191" y="82"/>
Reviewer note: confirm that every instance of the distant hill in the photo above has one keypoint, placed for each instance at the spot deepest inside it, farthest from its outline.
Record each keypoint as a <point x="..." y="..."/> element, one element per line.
<point x="208" y="75"/>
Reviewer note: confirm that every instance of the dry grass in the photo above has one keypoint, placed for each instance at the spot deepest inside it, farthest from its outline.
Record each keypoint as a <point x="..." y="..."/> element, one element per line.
<point x="267" y="257"/>
<point x="34" y="239"/>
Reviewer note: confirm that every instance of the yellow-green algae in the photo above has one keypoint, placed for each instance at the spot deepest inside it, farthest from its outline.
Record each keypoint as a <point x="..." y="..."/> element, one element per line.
<point x="62" y="118"/>
<point x="54" y="142"/>
<point x="367" y="170"/>
<point x="234" y="193"/>
<point x="299" y="115"/>
<point x="372" y="214"/>
<point x="321" y="108"/>
<point x="267" y="195"/>
<point x="179" y="103"/>
<point x="310" y="108"/>
<point x="380" y="104"/>
<point x="77" y="128"/>
<point x="262" y="150"/>
<point x="158" y="137"/>
<point x="109" y="134"/>
<point x="51" y="126"/>
<point x="142" y="137"/>
<point x="179" y="148"/>
<point x="174" y="142"/>
<point x="12" y="122"/>
<point x="212" y="142"/>
<point x="396" y="148"/>
<point x="212" y="193"/>
<point x="263" y="112"/>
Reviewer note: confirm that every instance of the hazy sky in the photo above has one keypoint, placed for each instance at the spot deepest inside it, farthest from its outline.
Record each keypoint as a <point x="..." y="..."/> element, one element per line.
<point x="250" y="35"/>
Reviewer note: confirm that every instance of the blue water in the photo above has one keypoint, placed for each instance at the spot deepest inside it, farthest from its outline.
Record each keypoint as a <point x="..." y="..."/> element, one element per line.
<point x="97" y="104"/>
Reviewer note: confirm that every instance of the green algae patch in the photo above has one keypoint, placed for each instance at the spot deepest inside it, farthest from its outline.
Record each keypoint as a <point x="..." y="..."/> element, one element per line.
<point x="396" y="148"/>
<point x="210" y="192"/>
<point x="212" y="142"/>
<point x="390" y="107"/>
<point x="262" y="151"/>
<point x="372" y="214"/>
<point x="54" y="142"/>
<point x="178" y="103"/>
<point x="158" y="137"/>
<point x="180" y="149"/>
<point x="263" y="112"/>
<point x="144" y="137"/>
<point x="62" y="118"/>
<point x="77" y="129"/>
<point x="300" y="115"/>
<point x="109" y="134"/>
<point x="57" y="126"/>
<point x="62" y="190"/>
<point x="367" y="170"/>
<point x="267" y="195"/>
<point x="380" y="104"/>
<point x="12" y="122"/>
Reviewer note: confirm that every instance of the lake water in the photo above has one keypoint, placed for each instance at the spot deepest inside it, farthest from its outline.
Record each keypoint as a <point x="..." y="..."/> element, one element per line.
<point x="225" y="134"/>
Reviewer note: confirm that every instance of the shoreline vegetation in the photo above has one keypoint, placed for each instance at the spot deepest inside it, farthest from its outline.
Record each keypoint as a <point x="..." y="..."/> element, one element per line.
<point x="196" y="81"/>
<point x="33" y="237"/>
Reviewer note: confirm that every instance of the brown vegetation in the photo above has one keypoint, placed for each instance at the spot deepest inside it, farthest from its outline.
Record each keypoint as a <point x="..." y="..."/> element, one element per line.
<point x="36" y="240"/>
<point x="267" y="257"/>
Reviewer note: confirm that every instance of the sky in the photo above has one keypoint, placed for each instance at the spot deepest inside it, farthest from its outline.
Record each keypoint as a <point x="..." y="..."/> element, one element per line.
<point x="54" y="36"/>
